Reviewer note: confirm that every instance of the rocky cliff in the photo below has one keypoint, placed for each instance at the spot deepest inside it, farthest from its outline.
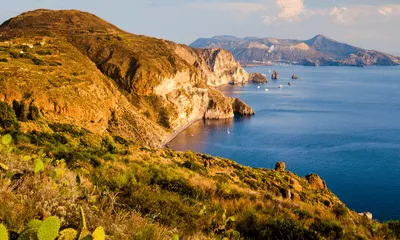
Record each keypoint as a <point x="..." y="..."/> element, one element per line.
<point x="319" y="50"/>
<point x="79" y="69"/>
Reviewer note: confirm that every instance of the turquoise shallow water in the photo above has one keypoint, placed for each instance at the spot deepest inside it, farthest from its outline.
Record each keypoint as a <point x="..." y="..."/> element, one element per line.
<point x="340" y="122"/>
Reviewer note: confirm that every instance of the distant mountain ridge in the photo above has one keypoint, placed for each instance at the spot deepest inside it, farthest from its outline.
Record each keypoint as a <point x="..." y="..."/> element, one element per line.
<point x="319" y="50"/>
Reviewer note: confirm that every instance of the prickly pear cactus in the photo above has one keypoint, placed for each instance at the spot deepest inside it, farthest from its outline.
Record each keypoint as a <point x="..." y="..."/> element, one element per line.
<point x="29" y="234"/>
<point x="39" y="166"/>
<point x="68" y="234"/>
<point x="49" y="229"/>
<point x="99" y="234"/>
<point x="175" y="237"/>
<point x="3" y="232"/>
<point x="6" y="139"/>
<point x="84" y="234"/>
<point x="33" y="224"/>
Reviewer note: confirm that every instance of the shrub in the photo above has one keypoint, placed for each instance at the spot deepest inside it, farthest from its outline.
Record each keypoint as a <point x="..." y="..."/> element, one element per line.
<point x="67" y="128"/>
<point x="163" y="118"/>
<point x="302" y="214"/>
<point x="252" y="227"/>
<point x="43" y="52"/>
<point x="282" y="229"/>
<point x="339" y="210"/>
<point x="194" y="166"/>
<point x="21" y="110"/>
<point x="33" y="113"/>
<point x="121" y="140"/>
<point x="108" y="144"/>
<point x="15" y="55"/>
<point x="179" y="186"/>
<point x="327" y="229"/>
<point x="394" y="226"/>
<point x="8" y="119"/>
<point x="3" y="60"/>
<point x="37" y="61"/>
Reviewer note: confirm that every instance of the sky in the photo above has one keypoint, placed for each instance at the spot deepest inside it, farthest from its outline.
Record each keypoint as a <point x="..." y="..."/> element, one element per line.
<point x="371" y="24"/>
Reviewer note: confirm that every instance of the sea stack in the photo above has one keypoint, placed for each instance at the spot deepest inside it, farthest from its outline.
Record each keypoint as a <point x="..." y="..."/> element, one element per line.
<point x="274" y="75"/>
<point x="295" y="76"/>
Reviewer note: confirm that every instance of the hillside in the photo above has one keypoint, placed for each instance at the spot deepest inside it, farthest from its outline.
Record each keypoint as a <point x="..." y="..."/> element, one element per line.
<point x="84" y="107"/>
<point x="318" y="50"/>
<point x="78" y="69"/>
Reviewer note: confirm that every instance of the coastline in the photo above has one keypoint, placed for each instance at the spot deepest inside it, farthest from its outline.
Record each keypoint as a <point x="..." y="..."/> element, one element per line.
<point x="175" y="133"/>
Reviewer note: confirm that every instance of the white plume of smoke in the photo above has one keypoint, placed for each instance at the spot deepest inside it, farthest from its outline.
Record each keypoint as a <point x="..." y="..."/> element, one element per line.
<point x="290" y="9"/>
<point x="385" y="11"/>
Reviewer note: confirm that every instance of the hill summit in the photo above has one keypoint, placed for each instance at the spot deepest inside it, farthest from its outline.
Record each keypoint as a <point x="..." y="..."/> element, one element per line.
<point x="78" y="69"/>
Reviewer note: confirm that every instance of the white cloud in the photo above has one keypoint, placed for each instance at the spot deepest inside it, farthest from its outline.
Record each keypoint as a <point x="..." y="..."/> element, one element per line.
<point x="238" y="7"/>
<point x="385" y="11"/>
<point x="273" y="12"/>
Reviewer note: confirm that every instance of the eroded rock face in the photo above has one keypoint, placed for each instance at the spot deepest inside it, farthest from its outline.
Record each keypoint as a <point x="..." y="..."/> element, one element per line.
<point x="367" y="215"/>
<point x="280" y="166"/>
<point x="316" y="182"/>
<point x="241" y="108"/>
<point x="217" y="66"/>
<point x="258" y="78"/>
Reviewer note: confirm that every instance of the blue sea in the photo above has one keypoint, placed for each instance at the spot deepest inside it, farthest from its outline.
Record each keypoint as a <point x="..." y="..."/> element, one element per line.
<point x="342" y="123"/>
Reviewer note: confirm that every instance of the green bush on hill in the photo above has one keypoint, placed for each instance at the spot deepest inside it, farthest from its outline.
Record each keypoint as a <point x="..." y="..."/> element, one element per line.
<point x="8" y="119"/>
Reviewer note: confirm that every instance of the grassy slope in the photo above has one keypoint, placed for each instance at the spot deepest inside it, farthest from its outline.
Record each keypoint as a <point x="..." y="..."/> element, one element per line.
<point x="161" y="192"/>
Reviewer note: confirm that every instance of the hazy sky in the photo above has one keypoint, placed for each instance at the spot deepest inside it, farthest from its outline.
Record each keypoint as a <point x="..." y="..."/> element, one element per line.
<point x="371" y="24"/>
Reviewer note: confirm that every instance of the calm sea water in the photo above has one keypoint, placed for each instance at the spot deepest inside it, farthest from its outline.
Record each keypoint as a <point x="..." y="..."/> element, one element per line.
<point x="340" y="122"/>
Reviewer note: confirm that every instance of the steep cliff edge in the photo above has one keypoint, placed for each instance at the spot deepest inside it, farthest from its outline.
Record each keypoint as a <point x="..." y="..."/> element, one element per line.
<point x="79" y="69"/>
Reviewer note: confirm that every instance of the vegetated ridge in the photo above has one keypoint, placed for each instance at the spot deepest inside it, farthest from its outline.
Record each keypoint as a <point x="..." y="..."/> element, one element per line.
<point x="78" y="69"/>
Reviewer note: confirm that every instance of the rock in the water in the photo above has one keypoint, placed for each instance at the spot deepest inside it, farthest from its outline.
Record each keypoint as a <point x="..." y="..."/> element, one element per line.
<point x="315" y="181"/>
<point x="280" y="166"/>
<point x="289" y="83"/>
<point x="258" y="78"/>
<point x="241" y="108"/>
<point x="295" y="76"/>
<point x="366" y="214"/>
<point x="274" y="75"/>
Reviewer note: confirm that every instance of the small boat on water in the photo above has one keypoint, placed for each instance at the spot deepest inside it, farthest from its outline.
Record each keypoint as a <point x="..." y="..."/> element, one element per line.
<point x="280" y="86"/>
<point x="266" y="89"/>
<point x="258" y="87"/>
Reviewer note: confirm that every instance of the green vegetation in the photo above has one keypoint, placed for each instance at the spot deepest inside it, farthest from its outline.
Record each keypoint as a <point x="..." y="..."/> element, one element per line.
<point x="49" y="229"/>
<point x="168" y="194"/>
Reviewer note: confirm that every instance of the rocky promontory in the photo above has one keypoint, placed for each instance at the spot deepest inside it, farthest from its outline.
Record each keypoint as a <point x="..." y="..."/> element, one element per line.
<point x="258" y="78"/>
<point x="89" y="73"/>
